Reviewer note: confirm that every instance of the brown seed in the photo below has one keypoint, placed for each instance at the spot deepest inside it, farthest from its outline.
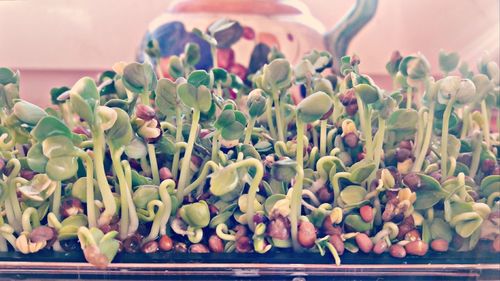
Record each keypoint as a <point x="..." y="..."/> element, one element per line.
<point x="412" y="235"/>
<point x="402" y="154"/>
<point x="165" y="173"/>
<point x="166" y="243"/>
<point x="243" y="245"/>
<point x="337" y="243"/>
<point x="324" y="195"/>
<point x="488" y="166"/>
<point x="412" y="180"/>
<point x="278" y="228"/>
<point x="397" y="251"/>
<point x="71" y="206"/>
<point x="403" y="229"/>
<point x="42" y="233"/>
<point x="366" y="213"/>
<point x="241" y="230"/>
<point x="180" y="247"/>
<point x="406" y="144"/>
<point x="496" y="244"/>
<point x="364" y="242"/>
<point x="150" y="247"/>
<point x="198" y="249"/>
<point x="145" y="112"/>
<point x="215" y="244"/>
<point x="307" y="234"/>
<point x="351" y="140"/>
<point x="132" y="244"/>
<point x="380" y="247"/>
<point x="439" y="245"/>
<point x="351" y="109"/>
<point x="417" y="248"/>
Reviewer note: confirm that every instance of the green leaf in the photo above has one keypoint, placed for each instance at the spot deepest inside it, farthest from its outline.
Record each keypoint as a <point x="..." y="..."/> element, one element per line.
<point x="57" y="146"/>
<point x="28" y="113"/>
<point x="314" y="107"/>
<point x="35" y="158"/>
<point x="139" y="78"/>
<point x="192" y="53"/>
<point x="271" y="200"/>
<point x="56" y="92"/>
<point x="357" y="223"/>
<point x="87" y="90"/>
<point x="188" y="95"/>
<point x="166" y="97"/>
<point x="226" y="32"/>
<point x="360" y="171"/>
<point x="440" y="229"/>
<point x="200" y="77"/>
<point x="50" y="126"/>
<point x="403" y="119"/>
<point x="196" y="214"/>
<point x="144" y="194"/>
<point x="489" y="185"/>
<point x="448" y="61"/>
<point x="82" y="108"/>
<point x="175" y="67"/>
<point x="353" y="194"/>
<point x="7" y="76"/>
<point x="120" y="134"/>
<point x="367" y="93"/>
<point x="62" y="168"/>
<point x="223" y="181"/>
<point x="429" y="194"/>
<point x="204" y="98"/>
<point x="277" y="74"/>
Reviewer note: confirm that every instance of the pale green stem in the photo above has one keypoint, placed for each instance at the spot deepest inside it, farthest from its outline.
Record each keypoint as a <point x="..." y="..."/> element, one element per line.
<point x="300" y="143"/>
<point x="209" y="165"/>
<point x="466" y="122"/>
<point x="364" y="120"/>
<point x="56" y="200"/>
<point x="322" y="137"/>
<point x="215" y="145"/>
<point x="11" y="217"/>
<point x="145" y="98"/>
<point x="379" y="141"/>
<point x="409" y="97"/>
<point x="427" y="140"/>
<point x="419" y="138"/>
<point x="444" y="137"/>
<point x="155" y="227"/>
<point x="248" y="131"/>
<point x="30" y="219"/>
<point x="133" y="217"/>
<point x="102" y="182"/>
<point x="269" y="115"/>
<point x="178" y="138"/>
<point x="89" y="168"/>
<point x="213" y="51"/>
<point x="453" y="166"/>
<point x="296" y="206"/>
<point x="122" y="182"/>
<point x="167" y="202"/>
<point x="187" y="155"/>
<point x="254" y="185"/>
<point x="279" y="121"/>
<point x="154" y="164"/>
<point x="314" y="136"/>
<point x="146" y="169"/>
<point x="486" y="127"/>
<point x="476" y="159"/>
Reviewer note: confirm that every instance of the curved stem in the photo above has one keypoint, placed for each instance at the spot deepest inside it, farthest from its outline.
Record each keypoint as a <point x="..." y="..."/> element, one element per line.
<point x="30" y="219"/>
<point x="427" y="140"/>
<point x="254" y="185"/>
<point x="154" y="164"/>
<point x="187" y="155"/>
<point x="202" y="177"/>
<point x="155" y="227"/>
<point x="102" y="182"/>
<point x="444" y="137"/>
<point x="322" y="138"/>
<point x="248" y="131"/>
<point x="167" y="203"/>
<point x="336" y="185"/>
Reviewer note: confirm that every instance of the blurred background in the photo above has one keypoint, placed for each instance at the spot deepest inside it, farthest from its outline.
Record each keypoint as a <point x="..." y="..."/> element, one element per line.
<point x="53" y="43"/>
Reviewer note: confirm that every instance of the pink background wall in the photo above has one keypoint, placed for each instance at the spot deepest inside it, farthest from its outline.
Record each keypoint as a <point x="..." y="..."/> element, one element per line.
<point x="54" y="43"/>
